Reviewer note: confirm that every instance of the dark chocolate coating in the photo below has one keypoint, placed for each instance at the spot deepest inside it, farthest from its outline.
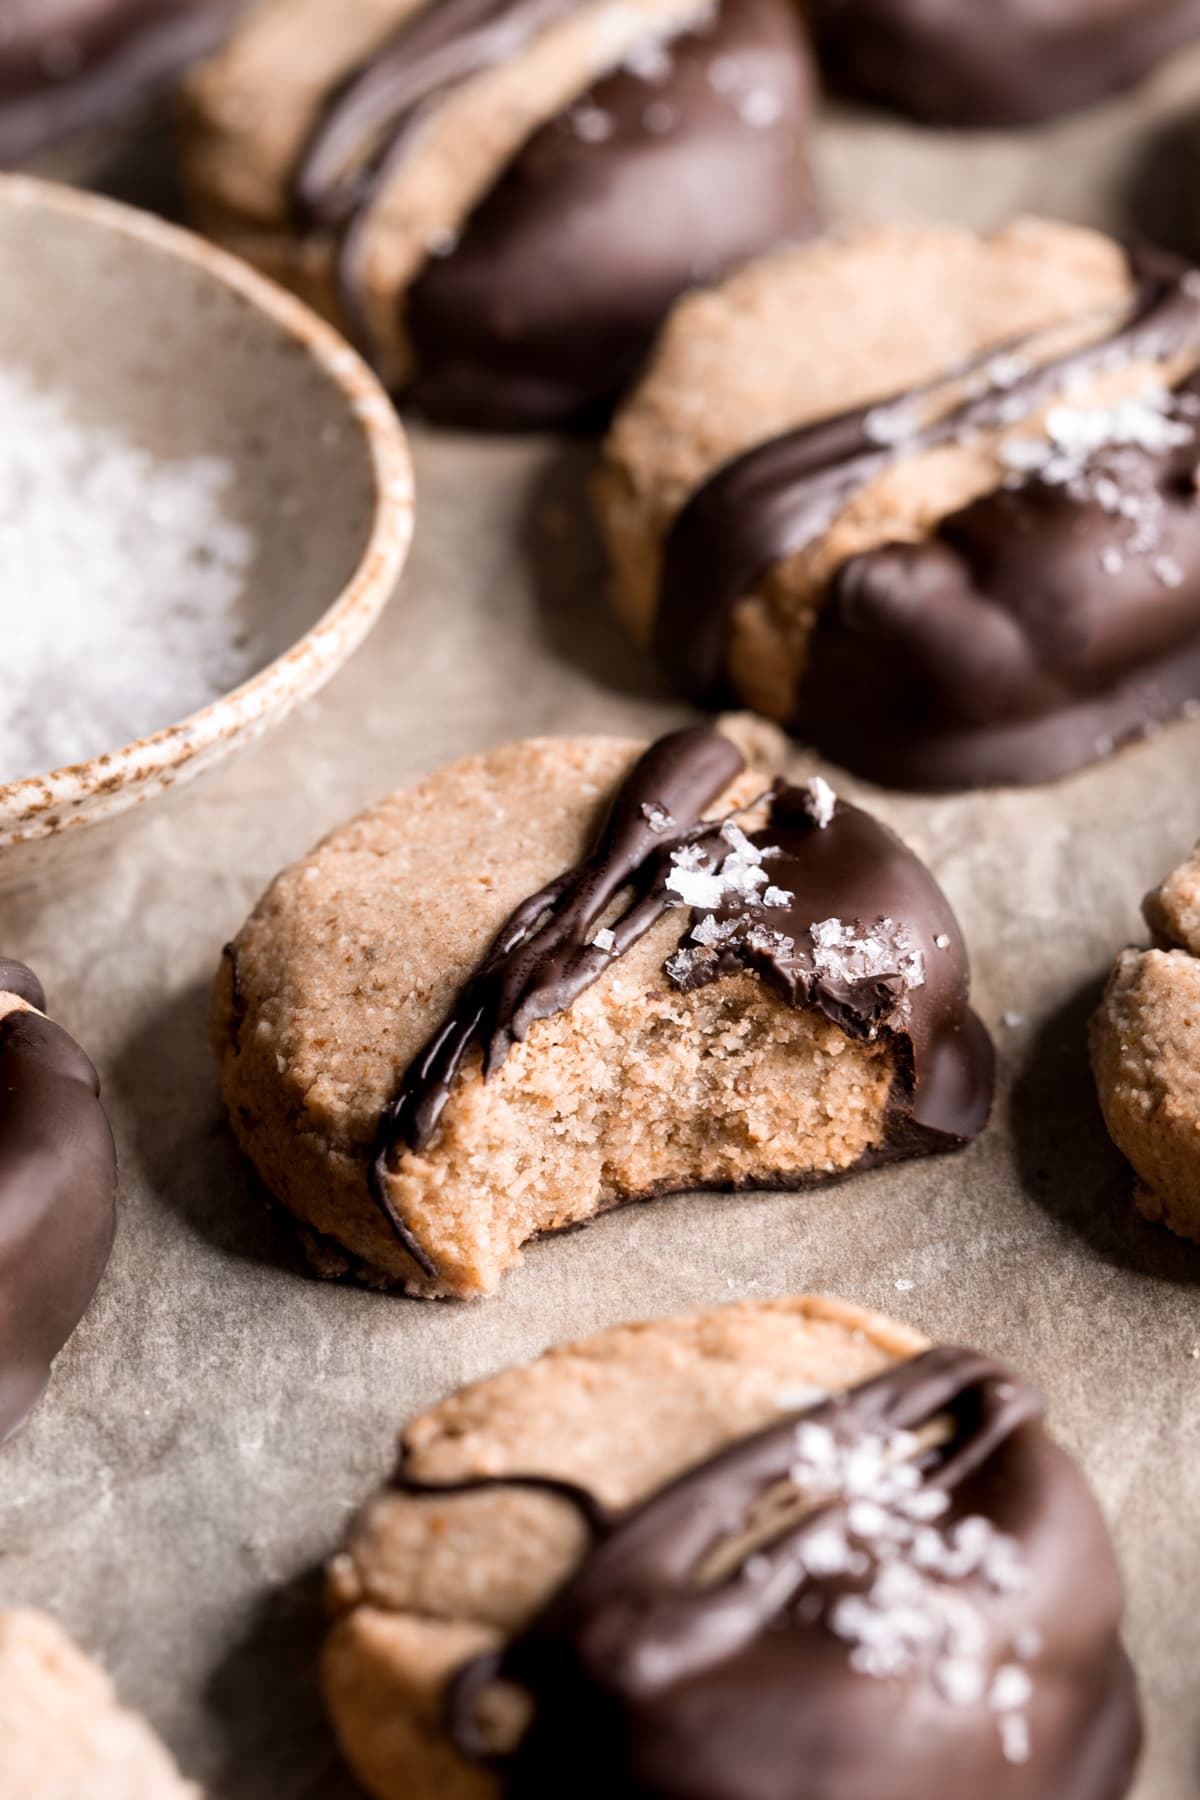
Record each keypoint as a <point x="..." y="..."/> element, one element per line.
<point x="548" y="302"/>
<point x="998" y="650"/>
<point x="541" y="960"/>
<point x="996" y="62"/>
<point x="654" y="1679"/>
<point x="68" y="64"/>
<point x="853" y="869"/>
<point x="57" y="1195"/>
<point x="541" y="310"/>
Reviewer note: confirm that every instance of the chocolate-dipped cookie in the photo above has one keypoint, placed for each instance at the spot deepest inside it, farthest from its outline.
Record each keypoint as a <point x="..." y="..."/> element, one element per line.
<point x="999" y="62"/>
<point x="1145" y="1043"/>
<point x="571" y="973"/>
<point x="501" y="198"/>
<point x="783" y="1551"/>
<point x="949" y="530"/>
<point x="57" y="1191"/>
<point x="63" y="1733"/>
<point x="67" y="64"/>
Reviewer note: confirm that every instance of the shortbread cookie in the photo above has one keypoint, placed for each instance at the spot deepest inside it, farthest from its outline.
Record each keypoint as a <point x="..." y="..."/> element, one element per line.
<point x="1146" y="1054"/>
<point x="781" y="1549"/>
<point x="501" y="198"/>
<point x="63" y="1733"/>
<point x="1002" y="62"/>
<point x="948" y="529"/>
<point x="561" y="975"/>
<point x="67" y="64"/>
<point x="57" y="1191"/>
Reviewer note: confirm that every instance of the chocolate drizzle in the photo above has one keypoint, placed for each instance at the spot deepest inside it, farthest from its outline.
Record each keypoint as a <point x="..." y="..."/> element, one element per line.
<point x="374" y="114"/>
<point x="57" y="1188"/>
<point x="68" y="64"/>
<point x="542" y="959"/>
<point x="1003" y="63"/>
<point x="1001" y="648"/>
<point x="903" y="968"/>
<point x="905" y="1589"/>
<point x="648" y="183"/>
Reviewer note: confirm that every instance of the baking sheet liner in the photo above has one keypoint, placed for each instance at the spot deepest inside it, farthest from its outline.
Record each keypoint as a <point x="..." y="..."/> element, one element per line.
<point x="220" y="1413"/>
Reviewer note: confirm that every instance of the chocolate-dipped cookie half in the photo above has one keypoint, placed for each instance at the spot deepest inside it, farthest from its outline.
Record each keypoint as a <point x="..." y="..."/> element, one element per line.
<point x="949" y="532"/>
<point x="501" y="198"/>
<point x="69" y="64"/>
<point x="57" y="1191"/>
<point x="1004" y="62"/>
<point x="572" y="973"/>
<point x="783" y="1551"/>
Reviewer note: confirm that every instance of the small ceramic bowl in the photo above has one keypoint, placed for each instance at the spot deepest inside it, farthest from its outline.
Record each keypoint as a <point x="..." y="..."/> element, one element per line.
<point x="148" y="330"/>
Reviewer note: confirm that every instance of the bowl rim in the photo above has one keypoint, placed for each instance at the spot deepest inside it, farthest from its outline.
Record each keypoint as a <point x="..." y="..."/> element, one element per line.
<point x="131" y="771"/>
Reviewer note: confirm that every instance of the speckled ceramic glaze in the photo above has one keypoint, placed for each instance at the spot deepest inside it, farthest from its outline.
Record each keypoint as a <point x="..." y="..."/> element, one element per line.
<point x="190" y="353"/>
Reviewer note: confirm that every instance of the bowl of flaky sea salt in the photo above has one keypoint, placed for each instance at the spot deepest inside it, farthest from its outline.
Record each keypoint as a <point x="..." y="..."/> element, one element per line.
<point x="205" y="503"/>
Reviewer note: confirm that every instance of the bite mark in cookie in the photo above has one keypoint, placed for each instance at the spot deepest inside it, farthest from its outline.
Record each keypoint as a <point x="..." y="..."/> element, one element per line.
<point x="897" y="1583"/>
<point x="1051" y="614"/>
<point x="503" y="198"/>
<point x="57" y="1191"/>
<point x="653" y="1011"/>
<point x="1145" y="1046"/>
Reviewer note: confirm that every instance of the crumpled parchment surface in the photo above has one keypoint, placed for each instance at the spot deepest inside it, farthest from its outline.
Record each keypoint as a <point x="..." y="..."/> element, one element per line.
<point x="219" y="1414"/>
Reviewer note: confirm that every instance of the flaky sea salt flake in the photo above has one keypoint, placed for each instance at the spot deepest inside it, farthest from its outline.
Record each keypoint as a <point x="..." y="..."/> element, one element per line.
<point x="657" y="817"/>
<point x="822" y="801"/>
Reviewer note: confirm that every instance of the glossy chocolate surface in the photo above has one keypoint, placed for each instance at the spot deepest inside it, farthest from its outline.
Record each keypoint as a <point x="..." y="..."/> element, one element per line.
<point x="68" y="64"/>
<point x="897" y="962"/>
<point x="996" y="62"/>
<point x="648" y="185"/>
<point x="862" y="932"/>
<point x="1033" y="631"/>
<point x="904" y="1590"/>
<point x="667" y="171"/>
<point x="57" y="1194"/>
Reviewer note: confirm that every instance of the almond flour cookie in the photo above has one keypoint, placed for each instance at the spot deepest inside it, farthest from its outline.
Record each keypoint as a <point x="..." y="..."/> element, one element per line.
<point x="946" y="528"/>
<point x="67" y="64"/>
<point x="63" y="1733"/>
<point x="57" y="1191"/>
<point x="562" y="975"/>
<point x="774" y="1551"/>
<point x="1006" y="62"/>
<point x="501" y="198"/>
<point x="1145" y="1041"/>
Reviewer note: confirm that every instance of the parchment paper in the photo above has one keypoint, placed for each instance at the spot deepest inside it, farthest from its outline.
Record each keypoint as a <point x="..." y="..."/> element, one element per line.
<point x="219" y="1414"/>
